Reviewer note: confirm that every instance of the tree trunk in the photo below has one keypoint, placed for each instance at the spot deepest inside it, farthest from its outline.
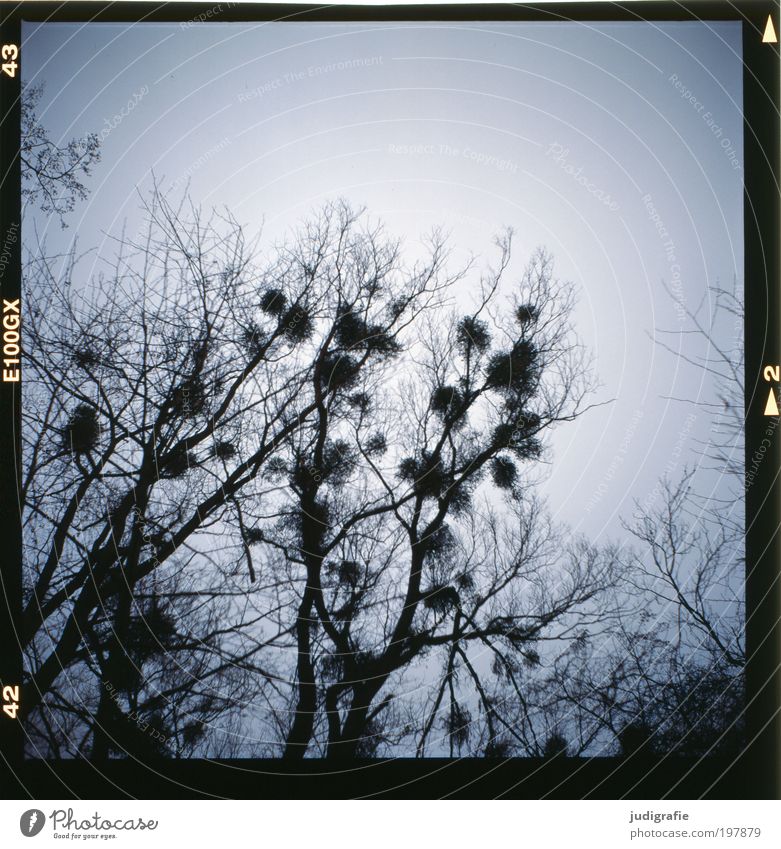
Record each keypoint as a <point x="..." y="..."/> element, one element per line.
<point x="354" y="728"/>
<point x="301" y="731"/>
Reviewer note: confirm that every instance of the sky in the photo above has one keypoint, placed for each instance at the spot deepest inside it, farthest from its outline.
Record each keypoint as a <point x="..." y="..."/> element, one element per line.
<point x="617" y="146"/>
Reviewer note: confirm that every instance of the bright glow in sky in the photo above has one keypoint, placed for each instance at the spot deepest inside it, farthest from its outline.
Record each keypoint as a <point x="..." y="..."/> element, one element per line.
<point x="587" y="139"/>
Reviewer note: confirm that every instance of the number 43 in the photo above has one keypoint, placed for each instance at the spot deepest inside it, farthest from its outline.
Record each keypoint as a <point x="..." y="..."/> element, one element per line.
<point x="11" y="52"/>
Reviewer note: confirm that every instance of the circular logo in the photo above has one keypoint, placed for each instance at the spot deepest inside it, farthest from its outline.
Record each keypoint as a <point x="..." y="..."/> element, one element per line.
<point x="31" y="822"/>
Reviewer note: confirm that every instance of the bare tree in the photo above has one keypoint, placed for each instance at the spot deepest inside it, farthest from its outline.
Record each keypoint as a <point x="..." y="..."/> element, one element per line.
<point x="634" y="692"/>
<point x="692" y="554"/>
<point x="405" y="524"/>
<point x="664" y="673"/>
<point x="52" y="173"/>
<point x="300" y="481"/>
<point x="156" y="398"/>
<point x="681" y="675"/>
<point x="687" y="562"/>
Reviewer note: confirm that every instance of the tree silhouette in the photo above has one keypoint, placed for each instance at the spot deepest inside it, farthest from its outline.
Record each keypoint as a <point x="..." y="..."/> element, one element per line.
<point x="667" y="673"/>
<point x="156" y="398"/>
<point x="51" y="172"/>
<point x="404" y="524"/>
<point x="292" y="494"/>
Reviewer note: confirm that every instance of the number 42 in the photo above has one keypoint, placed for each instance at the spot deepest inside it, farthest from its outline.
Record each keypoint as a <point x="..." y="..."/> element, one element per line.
<point x="11" y="694"/>
<point x="10" y="52"/>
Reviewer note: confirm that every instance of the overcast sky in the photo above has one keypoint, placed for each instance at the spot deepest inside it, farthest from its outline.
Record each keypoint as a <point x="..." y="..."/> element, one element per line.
<point x="616" y="146"/>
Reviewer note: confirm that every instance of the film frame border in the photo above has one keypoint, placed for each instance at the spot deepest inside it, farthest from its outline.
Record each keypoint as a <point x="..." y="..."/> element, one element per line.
<point x="757" y="772"/>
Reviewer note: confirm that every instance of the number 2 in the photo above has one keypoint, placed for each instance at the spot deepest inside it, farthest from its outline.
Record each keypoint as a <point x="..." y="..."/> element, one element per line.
<point x="11" y="694"/>
<point x="772" y="373"/>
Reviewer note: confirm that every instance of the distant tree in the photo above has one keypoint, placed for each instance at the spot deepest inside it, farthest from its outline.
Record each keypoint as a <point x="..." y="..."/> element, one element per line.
<point x="663" y="671"/>
<point x="672" y="678"/>
<point x="690" y="561"/>
<point x="636" y="691"/>
<point x="689" y="568"/>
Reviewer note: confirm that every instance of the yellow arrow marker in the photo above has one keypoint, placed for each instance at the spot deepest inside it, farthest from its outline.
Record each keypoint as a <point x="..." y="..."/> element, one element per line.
<point x="770" y="36"/>
<point x="771" y="408"/>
